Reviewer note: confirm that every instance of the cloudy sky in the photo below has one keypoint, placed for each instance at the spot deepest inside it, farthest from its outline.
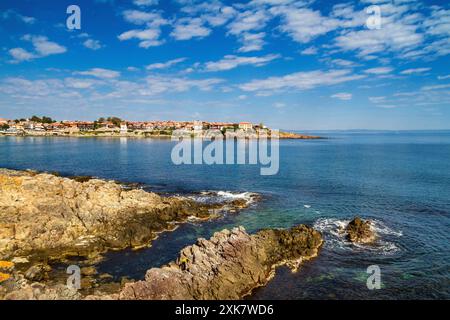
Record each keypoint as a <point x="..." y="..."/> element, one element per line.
<point x="289" y="64"/>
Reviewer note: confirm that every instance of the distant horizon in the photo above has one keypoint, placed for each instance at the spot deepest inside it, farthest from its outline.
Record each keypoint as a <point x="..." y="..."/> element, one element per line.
<point x="211" y="121"/>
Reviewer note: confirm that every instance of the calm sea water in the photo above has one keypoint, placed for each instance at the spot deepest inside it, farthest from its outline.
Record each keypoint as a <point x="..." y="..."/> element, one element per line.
<point x="400" y="180"/>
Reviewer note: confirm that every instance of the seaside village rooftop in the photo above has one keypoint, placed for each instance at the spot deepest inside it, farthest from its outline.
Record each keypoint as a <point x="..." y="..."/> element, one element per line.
<point x="116" y="126"/>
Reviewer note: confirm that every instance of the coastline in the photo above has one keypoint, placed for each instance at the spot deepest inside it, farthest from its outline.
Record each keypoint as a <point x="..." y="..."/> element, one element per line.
<point x="47" y="219"/>
<point x="282" y="136"/>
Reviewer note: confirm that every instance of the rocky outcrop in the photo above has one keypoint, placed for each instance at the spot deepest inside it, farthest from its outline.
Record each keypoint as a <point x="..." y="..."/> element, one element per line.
<point x="228" y="266"/>
<point x="360" y="231"/>
<point x="45" y="217"/>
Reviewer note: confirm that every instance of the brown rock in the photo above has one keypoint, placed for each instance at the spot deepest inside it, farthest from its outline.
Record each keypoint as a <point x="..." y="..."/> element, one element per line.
<point x="46" y="216"/>
<point x="360" y="231"/>
<point x="228" y="266"/>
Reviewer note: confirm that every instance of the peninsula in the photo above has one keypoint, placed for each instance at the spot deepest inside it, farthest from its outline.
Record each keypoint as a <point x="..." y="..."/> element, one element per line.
<point x="116" y="127"/>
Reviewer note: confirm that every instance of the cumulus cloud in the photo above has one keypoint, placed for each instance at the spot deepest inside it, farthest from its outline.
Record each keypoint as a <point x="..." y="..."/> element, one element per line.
<point x="42" y="48"/>
<point x="92" y="44"/>
<point x="19" y="55"/>
<point x="304" y="24"/>
<point x="188" y="28"/>
<point x="148" y="37"/>
<point x="252" y="41"/>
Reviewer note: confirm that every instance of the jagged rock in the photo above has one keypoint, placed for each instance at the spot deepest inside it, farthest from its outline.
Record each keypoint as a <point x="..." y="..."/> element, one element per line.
<point x="228" y="266"/>
<point x="39" y="291"/>
<point x="43" y="216"/>
<point x="360" y="231"/>
<point x="38" y="272"/>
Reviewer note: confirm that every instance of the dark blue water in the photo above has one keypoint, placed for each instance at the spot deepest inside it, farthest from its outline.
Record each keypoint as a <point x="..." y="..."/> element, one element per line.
<point x="400" y="180"/>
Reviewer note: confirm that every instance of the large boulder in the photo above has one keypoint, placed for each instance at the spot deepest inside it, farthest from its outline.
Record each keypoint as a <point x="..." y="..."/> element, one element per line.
<point x="360" y="231"/>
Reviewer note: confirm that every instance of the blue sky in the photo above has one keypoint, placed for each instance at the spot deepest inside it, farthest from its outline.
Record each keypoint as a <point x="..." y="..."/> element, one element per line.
<point x="289" y="64"/>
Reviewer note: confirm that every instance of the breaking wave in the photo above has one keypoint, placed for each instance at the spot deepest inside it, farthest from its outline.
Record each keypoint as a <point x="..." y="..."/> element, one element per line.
<point x="334" y="233"/>
<point x="225" y="197"/>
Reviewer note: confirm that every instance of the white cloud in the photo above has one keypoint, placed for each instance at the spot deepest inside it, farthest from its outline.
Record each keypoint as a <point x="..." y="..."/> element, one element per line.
<point x="148" y="37"/>
<point x="231" y="61"/>
<point x="309" y="51"/>
<point x="19" y="55"/>
<point x="379" y="70"/>
<point x="188" y="28"/>
<point x="252" y="41"/>
<point x="279" y="105"/>
<point x="164" y="65"/>
<point x="444" y="77"/>
<point x="145" y="3"/>
<point x="92" y="44"/>
<point x="14" y="14"/>
<point x="301" y="81"/>
<point x="415" y="71"/>
<point x="343" y="63"/>
<point x="380" y="99"/>
<point x="304" y="24"/>
<point x="78" y="83"/>
<point x="249" y="20"/>
<point x="141" y="17"/>
<point x="100" y="73"/>
<point x="436" y="87"/>
<point x="342" y="96"/>
<point x="158" y="85"/>
<point x="42" y="48"/>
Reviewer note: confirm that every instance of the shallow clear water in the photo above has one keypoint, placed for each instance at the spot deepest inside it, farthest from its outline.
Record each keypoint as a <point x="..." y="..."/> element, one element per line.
<point x="401" y="180"/>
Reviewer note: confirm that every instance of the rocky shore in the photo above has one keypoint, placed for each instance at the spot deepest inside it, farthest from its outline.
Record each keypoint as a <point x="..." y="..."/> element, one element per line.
<point x="47" y="219"/>
<point x="228" y="266"/>
<point x="44" y="217"/>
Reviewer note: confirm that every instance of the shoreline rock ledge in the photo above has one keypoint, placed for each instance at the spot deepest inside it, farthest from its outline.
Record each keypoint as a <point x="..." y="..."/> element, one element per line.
<point x="228" y="266"/>
<point x="44" y="217"/>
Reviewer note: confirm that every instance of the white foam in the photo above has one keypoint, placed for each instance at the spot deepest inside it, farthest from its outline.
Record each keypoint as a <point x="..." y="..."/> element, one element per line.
<point x="335" y="236"/>
<point x="307" y="206"/>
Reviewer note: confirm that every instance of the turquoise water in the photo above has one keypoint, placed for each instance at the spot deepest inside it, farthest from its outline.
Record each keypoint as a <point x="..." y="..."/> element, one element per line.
<point x="401" y="180"/>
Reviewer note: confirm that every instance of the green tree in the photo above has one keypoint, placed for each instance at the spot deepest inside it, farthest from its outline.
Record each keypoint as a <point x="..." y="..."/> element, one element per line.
<point x="4" y="127"/>
<point x="35" y="119"/>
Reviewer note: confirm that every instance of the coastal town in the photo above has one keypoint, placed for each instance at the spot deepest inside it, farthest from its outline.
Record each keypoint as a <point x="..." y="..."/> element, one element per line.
<point x="114" y="126"/>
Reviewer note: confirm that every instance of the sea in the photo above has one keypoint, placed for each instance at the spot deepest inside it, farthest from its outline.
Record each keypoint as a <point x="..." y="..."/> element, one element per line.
<point x="399" y="180"/>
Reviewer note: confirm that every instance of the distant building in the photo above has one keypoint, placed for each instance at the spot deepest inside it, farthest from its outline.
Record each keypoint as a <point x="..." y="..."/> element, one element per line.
<point x="245" y="125"/>
<point x="198" y="125"/>
<point x="123" y="128"/>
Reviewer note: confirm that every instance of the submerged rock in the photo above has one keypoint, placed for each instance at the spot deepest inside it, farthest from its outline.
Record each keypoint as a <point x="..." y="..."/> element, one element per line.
<point x="47" y="217"/>
<point x="228" y="266"/>
<point x="360" y="231"/>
